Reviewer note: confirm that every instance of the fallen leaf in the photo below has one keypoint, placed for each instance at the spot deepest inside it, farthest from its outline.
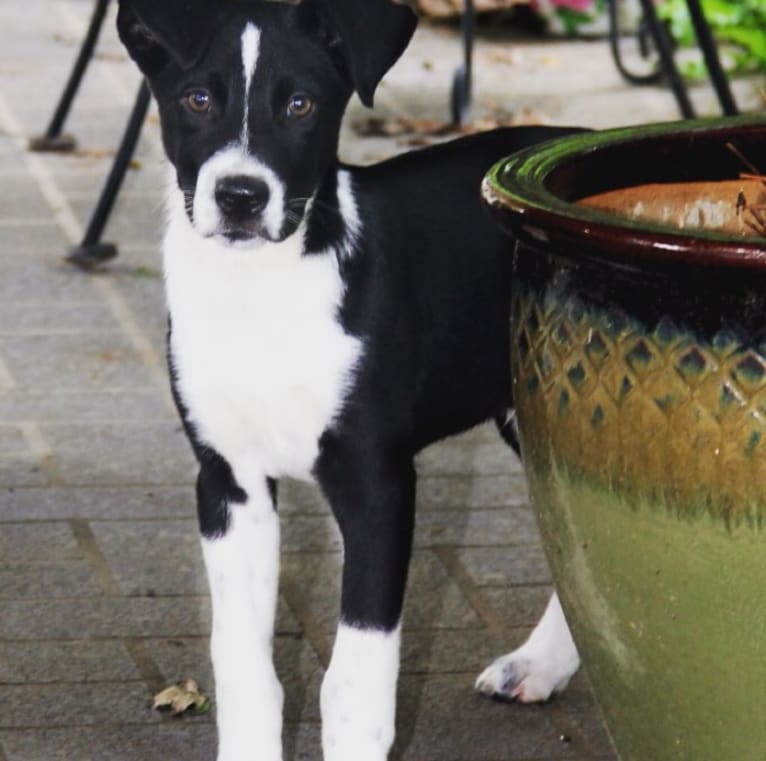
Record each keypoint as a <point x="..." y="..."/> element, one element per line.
<point x="421" y="131"/>
<point x="148" y="272"/>
<point x="507" y="57"/>
<point x="104" y="56"/>
<point x="181" y="698"/>
<point x="550" y="61"/>
<point x="95" y="153"/>
<point x="445" y="8"/>
<point x="375" y="126"/>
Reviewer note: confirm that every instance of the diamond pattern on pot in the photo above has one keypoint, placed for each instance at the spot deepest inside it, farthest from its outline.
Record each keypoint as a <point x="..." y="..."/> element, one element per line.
<point x="647" y="409"/>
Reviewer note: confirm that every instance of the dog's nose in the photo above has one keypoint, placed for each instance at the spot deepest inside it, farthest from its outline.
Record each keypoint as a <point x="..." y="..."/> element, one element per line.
<point x="241" y="197"/>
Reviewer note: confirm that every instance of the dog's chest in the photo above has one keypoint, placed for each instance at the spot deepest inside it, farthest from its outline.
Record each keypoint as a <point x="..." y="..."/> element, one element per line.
<point x="261" y="361"/>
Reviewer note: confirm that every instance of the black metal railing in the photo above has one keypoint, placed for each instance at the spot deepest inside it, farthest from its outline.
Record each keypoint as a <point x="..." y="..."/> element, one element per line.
<point x="663" y="44"/>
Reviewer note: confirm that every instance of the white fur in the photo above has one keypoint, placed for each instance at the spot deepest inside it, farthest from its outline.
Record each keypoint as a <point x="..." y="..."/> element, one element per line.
<point x="243" y="571"/>
<point x="263" y="364"/>
<point x="544" y="664"/>
<point x="235" y="160"/>
<point x="349" y="211"/>
<point x="358" y="695"/>
<point x="251" y="42"/>
<point x="263" y="367"/>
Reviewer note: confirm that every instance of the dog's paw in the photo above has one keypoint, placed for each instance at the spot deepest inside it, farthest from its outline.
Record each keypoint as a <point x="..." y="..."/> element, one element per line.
<point x="542" y="666"/>
<point x="524" y="677"/>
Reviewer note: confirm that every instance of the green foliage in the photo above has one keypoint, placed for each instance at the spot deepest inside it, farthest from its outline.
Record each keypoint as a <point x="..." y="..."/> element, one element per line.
<point x="738" y="25"/>
<point x="572" y="19"/>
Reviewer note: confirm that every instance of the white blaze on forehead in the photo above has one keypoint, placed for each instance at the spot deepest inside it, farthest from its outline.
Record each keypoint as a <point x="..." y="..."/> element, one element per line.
<point x="251" y="41"/>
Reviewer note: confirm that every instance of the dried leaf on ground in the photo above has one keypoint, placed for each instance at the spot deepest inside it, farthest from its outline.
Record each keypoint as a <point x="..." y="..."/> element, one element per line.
<point x="443" y="8"/>
<point x="181" y="698"/>
<point x="550" y="61"/>
<point x="147" y="272"/>
<point x="506" y="57"/>
<point x="419" y="131"/>
<point x="95" y="153"/>
<point x="108" y="56"/>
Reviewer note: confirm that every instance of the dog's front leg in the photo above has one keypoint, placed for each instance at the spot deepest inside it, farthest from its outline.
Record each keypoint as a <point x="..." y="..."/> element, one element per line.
<point x="240" y="544"/>
<point x="372" y="495"/>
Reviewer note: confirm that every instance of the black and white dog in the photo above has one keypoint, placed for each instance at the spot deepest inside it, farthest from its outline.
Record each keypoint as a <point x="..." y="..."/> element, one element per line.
<point x="327" y="323"/>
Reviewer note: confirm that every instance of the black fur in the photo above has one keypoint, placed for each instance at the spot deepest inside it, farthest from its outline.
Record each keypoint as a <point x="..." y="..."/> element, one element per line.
<point x="428" y="289"/>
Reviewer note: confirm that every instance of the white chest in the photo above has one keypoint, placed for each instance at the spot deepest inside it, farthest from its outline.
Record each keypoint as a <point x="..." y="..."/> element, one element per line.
<point x="263" y="365"/>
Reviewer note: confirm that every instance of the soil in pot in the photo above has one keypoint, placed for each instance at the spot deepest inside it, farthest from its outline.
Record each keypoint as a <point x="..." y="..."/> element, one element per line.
<point x="735" y="207"/>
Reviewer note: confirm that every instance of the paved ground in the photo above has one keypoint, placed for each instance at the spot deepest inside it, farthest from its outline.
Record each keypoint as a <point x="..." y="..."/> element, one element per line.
<point x="102" y="595"/>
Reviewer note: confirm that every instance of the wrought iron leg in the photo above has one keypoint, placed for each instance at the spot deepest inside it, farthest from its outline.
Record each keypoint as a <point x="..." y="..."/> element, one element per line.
<point x="92" y="251"/>
<point x="712" y="61"/>
<point x="653" y="77"/>
<point x="53" y="139"/>
<point x="665" y="50"/>
<point x="462" y="81"/>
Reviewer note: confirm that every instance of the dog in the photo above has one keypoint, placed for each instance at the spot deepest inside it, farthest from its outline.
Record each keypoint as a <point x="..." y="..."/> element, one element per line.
<point x="326" y="322"/>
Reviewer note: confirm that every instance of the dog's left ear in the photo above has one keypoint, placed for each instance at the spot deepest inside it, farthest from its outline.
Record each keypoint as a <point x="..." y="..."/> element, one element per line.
<point x="372" y="34"/>
<point x="156" y="32"/>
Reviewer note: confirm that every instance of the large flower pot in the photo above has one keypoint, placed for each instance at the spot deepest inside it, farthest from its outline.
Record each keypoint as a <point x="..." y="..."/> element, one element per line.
<point x="639" y="375"/>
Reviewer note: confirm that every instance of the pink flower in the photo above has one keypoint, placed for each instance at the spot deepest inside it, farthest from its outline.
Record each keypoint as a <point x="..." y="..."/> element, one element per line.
<point x="577" y="5"/>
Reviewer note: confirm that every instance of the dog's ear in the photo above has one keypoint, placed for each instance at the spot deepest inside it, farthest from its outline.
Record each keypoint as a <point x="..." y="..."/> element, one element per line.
<point x="371" y="34"/>
<point x="156" y="32"/>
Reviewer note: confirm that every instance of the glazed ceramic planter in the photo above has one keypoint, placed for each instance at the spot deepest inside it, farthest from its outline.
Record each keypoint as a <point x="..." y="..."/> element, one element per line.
<point x="639" y="375"/>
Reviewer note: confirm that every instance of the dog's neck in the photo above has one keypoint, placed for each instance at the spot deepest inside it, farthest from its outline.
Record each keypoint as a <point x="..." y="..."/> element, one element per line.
<point x="332" y="215"/>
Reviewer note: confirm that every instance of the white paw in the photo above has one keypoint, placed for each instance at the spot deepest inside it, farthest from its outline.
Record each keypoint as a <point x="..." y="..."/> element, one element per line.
<point x="543" y="665"/>
<point x="519" y="677"/>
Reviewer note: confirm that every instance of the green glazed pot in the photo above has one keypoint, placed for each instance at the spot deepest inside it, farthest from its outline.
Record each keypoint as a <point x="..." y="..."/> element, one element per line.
<point x="639" y="375"/>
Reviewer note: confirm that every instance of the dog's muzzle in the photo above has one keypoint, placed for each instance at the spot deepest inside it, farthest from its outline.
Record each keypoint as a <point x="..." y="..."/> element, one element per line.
<point x="241" y="200"/>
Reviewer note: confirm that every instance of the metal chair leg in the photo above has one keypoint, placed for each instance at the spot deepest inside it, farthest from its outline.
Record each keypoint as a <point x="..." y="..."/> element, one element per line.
<point x="460" y="102"/>
<point x="92" y="252"/>
<point x="53" y="139"/>
<point x="712" y="61"/>
<point x="652" y="77"/>
<point x="665" y="50"/>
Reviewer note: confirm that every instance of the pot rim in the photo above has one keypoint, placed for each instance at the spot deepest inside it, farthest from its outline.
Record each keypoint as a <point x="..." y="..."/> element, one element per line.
<point x="516" y="190"/>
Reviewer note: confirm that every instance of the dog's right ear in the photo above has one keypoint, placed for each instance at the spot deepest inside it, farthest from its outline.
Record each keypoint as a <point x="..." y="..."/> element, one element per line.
<point x="156" y="32"/>
<point x="370" y="34"/>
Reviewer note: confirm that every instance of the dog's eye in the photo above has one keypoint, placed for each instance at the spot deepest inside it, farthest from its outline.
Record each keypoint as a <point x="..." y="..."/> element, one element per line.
<point x="198" y="101"/>
<point x="299" y="105"/>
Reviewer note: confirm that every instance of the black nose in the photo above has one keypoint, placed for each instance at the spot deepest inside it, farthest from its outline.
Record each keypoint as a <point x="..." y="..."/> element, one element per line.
<point x="241" y="197"/>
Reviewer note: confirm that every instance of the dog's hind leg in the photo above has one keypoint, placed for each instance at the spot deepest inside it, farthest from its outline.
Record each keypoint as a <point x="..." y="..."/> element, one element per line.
<point x="546" y="662"/>
<point x="543" y="665"/>
<point x="240" y="544"/>
<point x="371" y="489"/>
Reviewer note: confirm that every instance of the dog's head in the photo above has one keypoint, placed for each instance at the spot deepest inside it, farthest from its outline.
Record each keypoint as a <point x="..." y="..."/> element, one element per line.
<point x="251" y="95"/>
